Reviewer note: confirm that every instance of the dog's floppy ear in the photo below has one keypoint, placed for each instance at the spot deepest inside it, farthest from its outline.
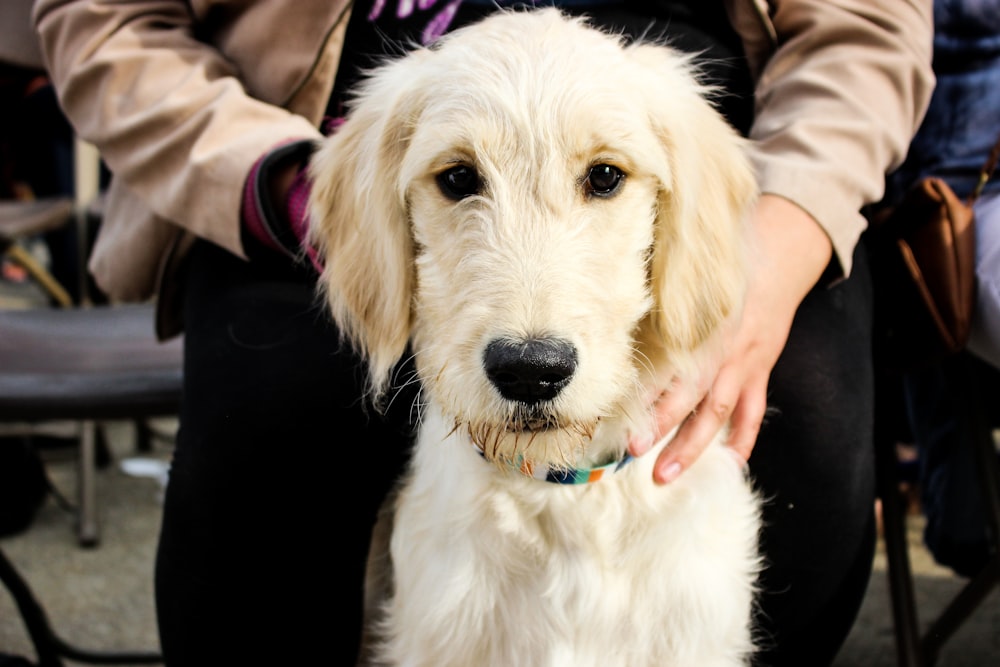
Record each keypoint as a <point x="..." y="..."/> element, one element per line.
<point x="698" y="269"/>
<point x="358" y="217"/>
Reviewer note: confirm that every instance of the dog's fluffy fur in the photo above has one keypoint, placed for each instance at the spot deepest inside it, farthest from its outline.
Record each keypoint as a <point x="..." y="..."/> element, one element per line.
<point x="630" y="279"/>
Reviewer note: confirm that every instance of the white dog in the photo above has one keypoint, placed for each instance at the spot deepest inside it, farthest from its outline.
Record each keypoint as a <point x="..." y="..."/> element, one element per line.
<point x="556" y="222"/>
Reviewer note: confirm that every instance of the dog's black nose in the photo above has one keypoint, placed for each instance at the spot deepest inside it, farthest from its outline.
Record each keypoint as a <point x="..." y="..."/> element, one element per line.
<point x="532" y="370"/>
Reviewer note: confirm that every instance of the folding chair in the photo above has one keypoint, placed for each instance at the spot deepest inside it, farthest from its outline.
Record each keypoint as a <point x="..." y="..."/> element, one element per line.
<point x="916" y="649"/>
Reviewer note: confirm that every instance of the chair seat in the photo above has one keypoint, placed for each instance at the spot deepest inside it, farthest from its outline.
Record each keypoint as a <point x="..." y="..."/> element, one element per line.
<point x="19" y="219"/>
<point x="102" y="362"/>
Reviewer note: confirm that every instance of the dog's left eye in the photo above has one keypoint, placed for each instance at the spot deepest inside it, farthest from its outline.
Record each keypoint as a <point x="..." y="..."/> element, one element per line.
<point x="603" y="180"/>
<point x="458" y="182"/>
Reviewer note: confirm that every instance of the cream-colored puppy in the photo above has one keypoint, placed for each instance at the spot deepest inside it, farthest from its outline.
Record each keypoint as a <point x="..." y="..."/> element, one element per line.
<point x="555" y="222"/>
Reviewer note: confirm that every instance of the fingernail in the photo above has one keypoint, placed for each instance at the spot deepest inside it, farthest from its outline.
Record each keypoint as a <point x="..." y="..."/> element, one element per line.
<point x="670" y="472"/>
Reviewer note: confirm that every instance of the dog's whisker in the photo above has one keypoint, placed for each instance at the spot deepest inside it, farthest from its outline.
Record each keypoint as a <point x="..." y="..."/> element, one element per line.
<point x="496" y="444"/>
<point x="417" y="409"/>
<point x="642" y="360"/>
<point x="585" y="430"/>
<point x="404" y="378"/>
<point x="531" y="440"/>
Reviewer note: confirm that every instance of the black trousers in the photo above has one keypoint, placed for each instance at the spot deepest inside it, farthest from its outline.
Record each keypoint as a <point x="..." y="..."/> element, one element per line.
<point x="814" y="462"/>
<point x="277" y="474"/>
<point x="279" y="469"/>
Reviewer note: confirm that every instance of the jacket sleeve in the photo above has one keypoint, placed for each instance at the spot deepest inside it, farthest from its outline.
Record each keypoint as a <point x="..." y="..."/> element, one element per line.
<point x="837" y="104"/>
<point x="167" y="111"/>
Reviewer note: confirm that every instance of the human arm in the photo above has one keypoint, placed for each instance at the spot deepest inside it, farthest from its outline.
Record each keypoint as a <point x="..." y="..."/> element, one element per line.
<point x="837" y="104"/>
<point x="171" y="113"/>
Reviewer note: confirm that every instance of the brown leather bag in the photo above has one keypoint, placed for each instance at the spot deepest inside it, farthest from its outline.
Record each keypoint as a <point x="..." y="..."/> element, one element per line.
<point x="923" y="254"/>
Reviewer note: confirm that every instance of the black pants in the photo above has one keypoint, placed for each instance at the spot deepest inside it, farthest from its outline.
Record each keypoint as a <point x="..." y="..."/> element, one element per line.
<point x="279" y="470"/>
<point x="276" y="477"/>
<point x="814" y="462"/>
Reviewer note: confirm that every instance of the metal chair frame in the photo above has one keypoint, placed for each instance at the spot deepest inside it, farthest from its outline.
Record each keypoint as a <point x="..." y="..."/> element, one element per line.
<point x="913" y="647"/>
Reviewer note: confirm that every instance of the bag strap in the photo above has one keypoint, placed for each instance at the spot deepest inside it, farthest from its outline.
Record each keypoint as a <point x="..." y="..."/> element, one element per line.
<point x="986" y="173"/>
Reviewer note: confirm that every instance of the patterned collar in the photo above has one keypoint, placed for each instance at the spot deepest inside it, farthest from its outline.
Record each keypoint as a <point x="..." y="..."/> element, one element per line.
<point x="558" y="475"/>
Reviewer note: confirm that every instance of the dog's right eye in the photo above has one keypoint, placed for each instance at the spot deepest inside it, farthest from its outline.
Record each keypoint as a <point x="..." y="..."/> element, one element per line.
<point x="458" y="182"/>
<point x="603" y="180"/>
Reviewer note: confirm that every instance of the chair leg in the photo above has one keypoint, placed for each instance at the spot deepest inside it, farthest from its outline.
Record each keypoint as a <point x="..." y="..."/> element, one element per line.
<point x="959" y="609"/>
<point x="88" y="530"/>
<point x="979" y="587"/>
<point x="35" y="620"/>
<point x="900" y="576"/>
<point x="143" y="436"/>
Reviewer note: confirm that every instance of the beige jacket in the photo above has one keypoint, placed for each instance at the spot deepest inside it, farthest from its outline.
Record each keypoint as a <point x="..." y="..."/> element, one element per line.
<point x="182" y="97"/>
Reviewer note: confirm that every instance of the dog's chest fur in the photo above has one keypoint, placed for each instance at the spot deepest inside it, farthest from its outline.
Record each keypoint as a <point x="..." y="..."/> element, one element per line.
<point x="493" y="568"/>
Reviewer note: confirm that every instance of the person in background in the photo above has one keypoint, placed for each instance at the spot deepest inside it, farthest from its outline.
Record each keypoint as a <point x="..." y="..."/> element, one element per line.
<point x="206" y="112"/>
<point x="961" y="127"/>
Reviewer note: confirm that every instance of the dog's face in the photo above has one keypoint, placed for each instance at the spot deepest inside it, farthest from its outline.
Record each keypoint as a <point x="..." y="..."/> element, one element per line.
<point x="548" y="217"/>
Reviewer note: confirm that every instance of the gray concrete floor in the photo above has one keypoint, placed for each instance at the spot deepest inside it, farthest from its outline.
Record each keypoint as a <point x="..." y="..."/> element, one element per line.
<point x="102" y="598"/>
<point x="97" y="598"/>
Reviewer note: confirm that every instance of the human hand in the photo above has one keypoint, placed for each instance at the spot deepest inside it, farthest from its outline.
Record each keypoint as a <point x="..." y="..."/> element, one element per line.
<point x="792" y="251"/>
